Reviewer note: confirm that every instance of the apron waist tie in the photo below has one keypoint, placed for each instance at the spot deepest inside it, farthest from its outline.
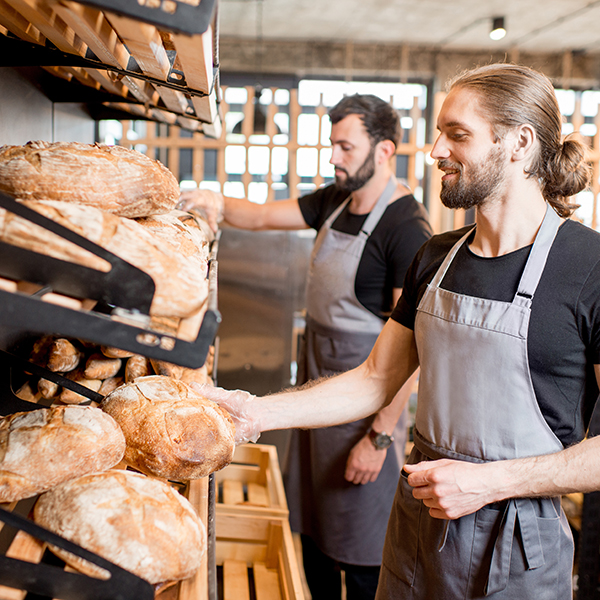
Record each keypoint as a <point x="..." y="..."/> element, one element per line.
<point x="516" y="508"/>
<point x="521" y="509"/>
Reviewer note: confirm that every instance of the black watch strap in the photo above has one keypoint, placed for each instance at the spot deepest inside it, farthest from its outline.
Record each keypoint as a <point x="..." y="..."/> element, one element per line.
<point x="381" y="441"/>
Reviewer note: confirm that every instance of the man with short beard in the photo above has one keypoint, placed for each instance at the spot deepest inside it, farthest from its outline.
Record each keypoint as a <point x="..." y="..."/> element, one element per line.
<point x="341" y="481"/>
<point x="503" y="320"/>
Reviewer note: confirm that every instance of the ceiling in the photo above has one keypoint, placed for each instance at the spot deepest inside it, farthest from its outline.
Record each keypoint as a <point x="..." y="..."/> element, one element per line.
<point x="532" y="25"/>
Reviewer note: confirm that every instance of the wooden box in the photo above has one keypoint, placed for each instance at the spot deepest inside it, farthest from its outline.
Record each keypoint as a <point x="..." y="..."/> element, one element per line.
<point x="252" y="483"/>
<point x="255" y="558"/>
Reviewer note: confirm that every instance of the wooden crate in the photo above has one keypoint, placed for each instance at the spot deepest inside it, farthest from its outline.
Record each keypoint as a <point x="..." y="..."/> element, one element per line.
<point x="252" y="483"/>
<point x="256" y="559"/>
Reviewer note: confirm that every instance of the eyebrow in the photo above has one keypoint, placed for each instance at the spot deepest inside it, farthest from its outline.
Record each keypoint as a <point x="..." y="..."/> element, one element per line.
<point x="451" y="124"/>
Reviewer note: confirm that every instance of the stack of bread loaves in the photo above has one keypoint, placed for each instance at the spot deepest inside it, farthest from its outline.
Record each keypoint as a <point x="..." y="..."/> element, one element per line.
<point x="117" y="198"/>
<point x="151" y="420"/>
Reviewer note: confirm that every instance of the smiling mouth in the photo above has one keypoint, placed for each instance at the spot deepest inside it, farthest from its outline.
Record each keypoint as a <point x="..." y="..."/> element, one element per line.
<point x="449" y="171"/>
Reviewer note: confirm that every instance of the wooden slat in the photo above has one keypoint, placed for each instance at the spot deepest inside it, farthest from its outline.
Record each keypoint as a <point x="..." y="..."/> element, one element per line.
<point x="266" y="583"/>
<point x="41" y="15"/>
<point x="233" y="492"/>
<point x="235" y="580"/>
<point x="195" y="55"/>
<point x="145" y="44"/>
<point x="19" y="25"/>
<point x="258" y="495"/>
<point x="93" y="28"/>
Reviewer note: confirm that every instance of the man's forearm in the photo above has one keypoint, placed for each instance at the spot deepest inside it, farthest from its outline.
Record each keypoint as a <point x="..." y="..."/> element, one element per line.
<point x="452" y="488"/>
<point x="575" y="469"/>
<point x="331" y="401"/>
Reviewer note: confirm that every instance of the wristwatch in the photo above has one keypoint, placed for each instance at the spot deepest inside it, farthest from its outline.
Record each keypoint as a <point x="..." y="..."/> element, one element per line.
<point x="381" y="441"/>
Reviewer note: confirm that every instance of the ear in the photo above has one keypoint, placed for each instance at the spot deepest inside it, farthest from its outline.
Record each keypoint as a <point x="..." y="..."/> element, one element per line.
<point x="522" y="142"/>
<point x="385" y="150"/>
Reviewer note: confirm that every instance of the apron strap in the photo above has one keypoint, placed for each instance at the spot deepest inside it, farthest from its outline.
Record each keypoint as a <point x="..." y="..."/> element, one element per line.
<point x="521" y="509"/>
<point x="537" y="257"/>
<point x="379" y="208"/>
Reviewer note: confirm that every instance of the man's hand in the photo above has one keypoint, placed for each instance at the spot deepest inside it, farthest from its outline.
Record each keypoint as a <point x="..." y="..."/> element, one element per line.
<point x="207" y="203"/>
<point x="364" y="462"/>
<point x="237" y="403"/>
<point x="451" y="488"/>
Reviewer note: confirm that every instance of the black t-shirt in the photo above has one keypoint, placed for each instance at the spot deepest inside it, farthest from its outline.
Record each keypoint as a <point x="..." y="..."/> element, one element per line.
<point x="564" y="330"/>
<point x="401" y="231"/>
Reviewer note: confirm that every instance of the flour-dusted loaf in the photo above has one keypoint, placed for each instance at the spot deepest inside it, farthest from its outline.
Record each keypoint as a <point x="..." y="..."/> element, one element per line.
<point x="137" y="522"/>
<point x="113" y="178"/>
<point x="45" y="447"/>
<point x="181" y="284"/>
<point x="171" y="430"/>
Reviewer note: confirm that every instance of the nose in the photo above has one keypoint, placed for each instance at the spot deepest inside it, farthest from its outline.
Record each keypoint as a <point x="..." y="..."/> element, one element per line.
<point x="335" y="156"/>
<point x="440" y="149"/>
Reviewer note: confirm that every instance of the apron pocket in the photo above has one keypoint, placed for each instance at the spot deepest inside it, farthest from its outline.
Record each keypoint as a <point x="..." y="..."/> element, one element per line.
<point x="520" y="555"/>
<point x="402" y="541"/>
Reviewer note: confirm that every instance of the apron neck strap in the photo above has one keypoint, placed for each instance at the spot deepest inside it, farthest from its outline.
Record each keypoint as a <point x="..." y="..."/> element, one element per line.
<point x="535" y="263"/>
<point x="376" y="212"/>
<point x="538" y="256"/>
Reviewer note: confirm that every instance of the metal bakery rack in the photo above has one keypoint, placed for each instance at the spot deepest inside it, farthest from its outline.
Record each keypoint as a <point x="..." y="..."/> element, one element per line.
<point x="117" y="315"/>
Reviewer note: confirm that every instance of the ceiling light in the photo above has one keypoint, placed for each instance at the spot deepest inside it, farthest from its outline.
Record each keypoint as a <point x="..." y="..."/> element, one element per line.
<point x="498" y="31"/>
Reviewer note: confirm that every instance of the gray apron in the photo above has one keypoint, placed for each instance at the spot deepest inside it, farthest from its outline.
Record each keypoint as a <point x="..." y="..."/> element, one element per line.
<point x="477" y="403"/>
<point x="347" y="521"/>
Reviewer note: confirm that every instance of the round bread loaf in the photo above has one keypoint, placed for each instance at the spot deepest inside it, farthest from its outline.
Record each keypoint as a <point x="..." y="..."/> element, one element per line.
<point x="171" y="431"/>
<point x="43" y="448"/>
<point x="137" y="522"/>
<point x="124" y="182"/>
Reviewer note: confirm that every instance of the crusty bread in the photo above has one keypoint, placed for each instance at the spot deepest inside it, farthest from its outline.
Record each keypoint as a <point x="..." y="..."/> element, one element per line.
<point x="43" y="448"/>
<point x="171" y="431"/>
<point x="137" y="522"/>
<point x="113" y="178"/>
<point x="181" y="231"/>
<point x="181" y="283"/>
<point x="99" y="366"/>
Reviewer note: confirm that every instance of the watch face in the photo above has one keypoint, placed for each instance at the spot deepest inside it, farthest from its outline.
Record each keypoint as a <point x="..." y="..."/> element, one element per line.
<point x="382" y="441"/>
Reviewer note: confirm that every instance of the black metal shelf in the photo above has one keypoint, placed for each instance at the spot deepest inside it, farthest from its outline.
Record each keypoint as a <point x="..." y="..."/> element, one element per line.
<point x="124" y="295"/>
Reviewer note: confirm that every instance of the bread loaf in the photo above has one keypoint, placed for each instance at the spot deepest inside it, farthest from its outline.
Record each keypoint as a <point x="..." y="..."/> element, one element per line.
<point x="99" y="366"/>
<point x="181" y="284"/>
<point x="171" y="430"/>
<point x="180" y="231"/>
<point x="134" y="521"/>
<point x="63" y="356"/>
<point x="45" y="447"/>
<point x="112" y="178"/>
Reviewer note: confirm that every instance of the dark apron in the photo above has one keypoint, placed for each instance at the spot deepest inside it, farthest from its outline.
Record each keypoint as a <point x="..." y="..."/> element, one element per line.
<point x="477" y="403"/>
<point x="347" y="521"/>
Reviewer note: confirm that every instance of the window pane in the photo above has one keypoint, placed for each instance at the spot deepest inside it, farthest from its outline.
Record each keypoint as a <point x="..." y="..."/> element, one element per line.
<point x="306" y="162"/>
<point x="235" y="159"/>
<point x="308" y="130"/>
<point x="258" y="160"/>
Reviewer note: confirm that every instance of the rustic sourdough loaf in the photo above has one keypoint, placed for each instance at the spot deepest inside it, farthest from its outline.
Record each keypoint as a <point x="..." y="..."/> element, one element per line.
<point x="181" y="284"/>
<point x="134" y="521"/>
<point x="45" y="447"/>
<point x="171" y="430"/>
<point x="112" y="178"/>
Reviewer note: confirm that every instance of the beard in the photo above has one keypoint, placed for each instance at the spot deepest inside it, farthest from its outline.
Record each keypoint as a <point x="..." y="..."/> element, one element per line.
<point x="484" y="181"/>
<point x="360" y="178"/>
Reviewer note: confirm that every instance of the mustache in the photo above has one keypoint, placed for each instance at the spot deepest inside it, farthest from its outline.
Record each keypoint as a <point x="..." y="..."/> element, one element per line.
<point x="444" y="163"/>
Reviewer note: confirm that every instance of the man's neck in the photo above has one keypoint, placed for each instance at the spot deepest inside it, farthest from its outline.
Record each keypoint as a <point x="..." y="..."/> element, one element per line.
<point x="365" y="198"/>
<point x="505" y="225"/>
